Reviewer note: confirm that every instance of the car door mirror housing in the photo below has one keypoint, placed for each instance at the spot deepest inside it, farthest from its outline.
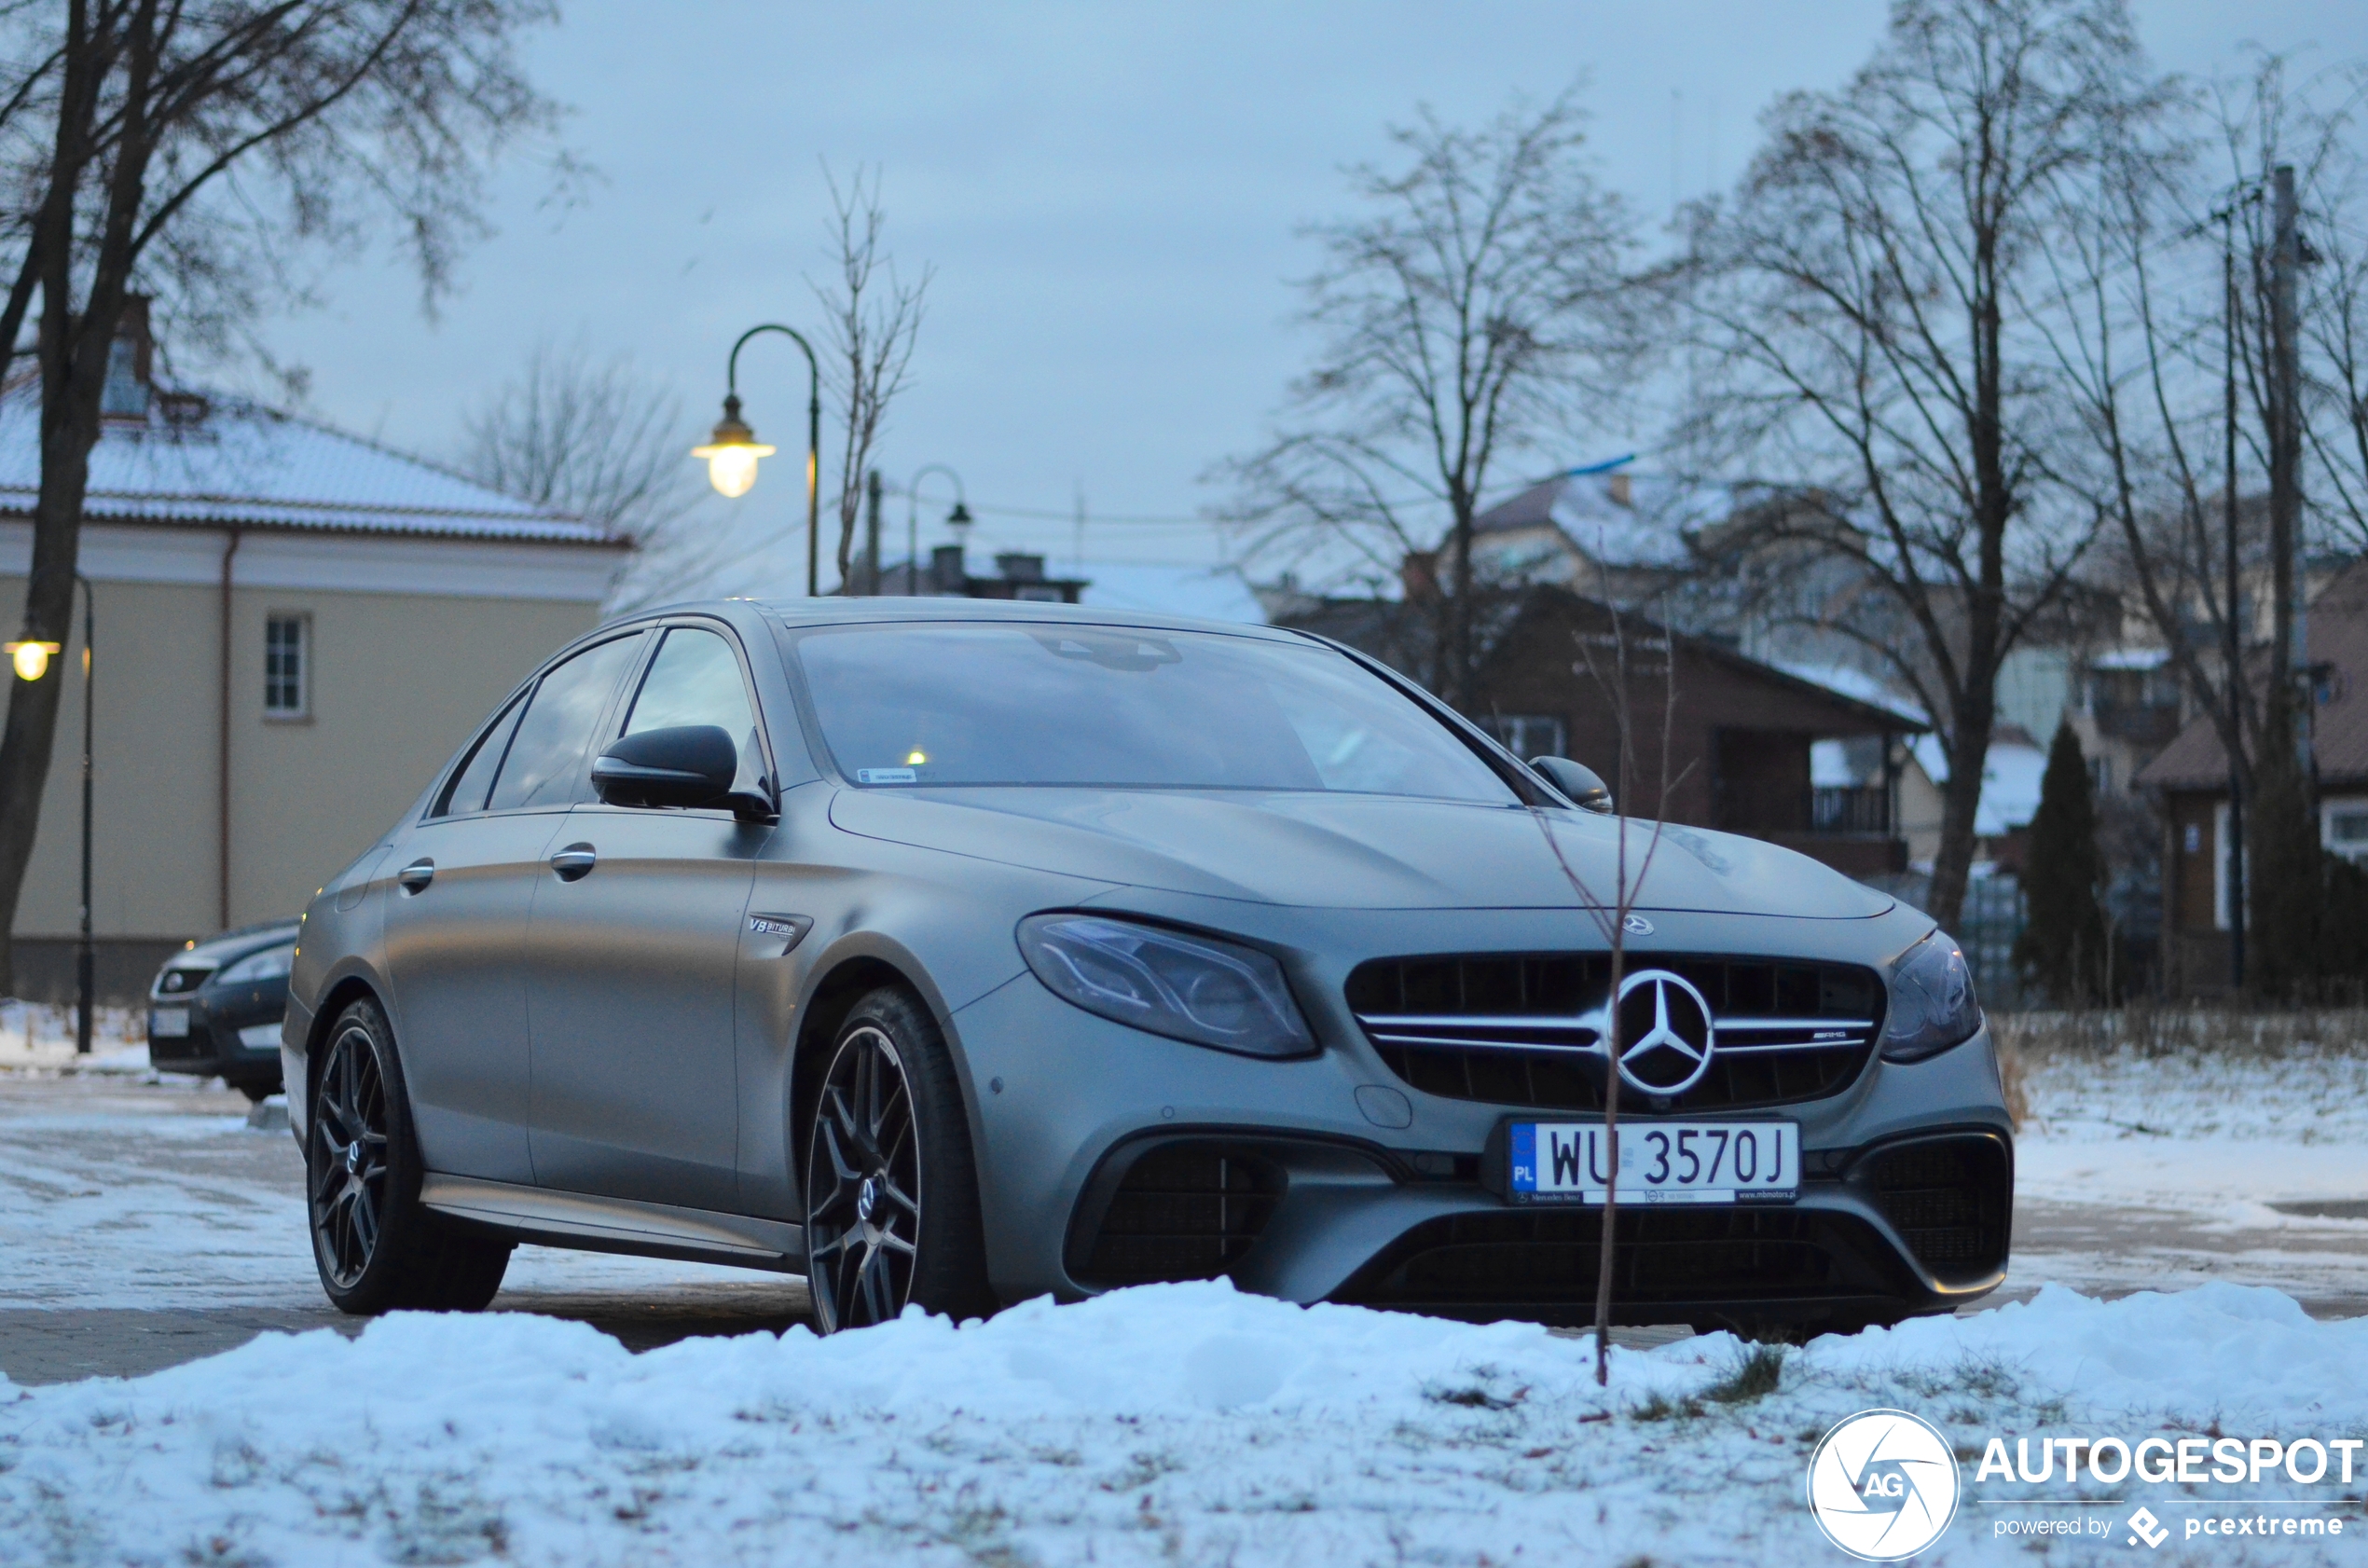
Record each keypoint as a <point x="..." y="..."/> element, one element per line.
<point x="693" y="764"/>
<point x="1577" y="780"/>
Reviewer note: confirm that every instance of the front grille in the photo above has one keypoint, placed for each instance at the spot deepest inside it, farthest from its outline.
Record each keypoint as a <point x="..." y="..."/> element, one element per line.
<point x="1541" y="1261"/>
<point x="1506" y="1029"/>
<point x="1185" y="1210"/>
<point x="1950" y="1199"/>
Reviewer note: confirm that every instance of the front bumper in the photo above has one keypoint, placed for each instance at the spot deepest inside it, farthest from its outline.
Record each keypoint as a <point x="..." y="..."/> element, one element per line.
<point x="233" y="1036"/>
<point x="1109" y="1157"/>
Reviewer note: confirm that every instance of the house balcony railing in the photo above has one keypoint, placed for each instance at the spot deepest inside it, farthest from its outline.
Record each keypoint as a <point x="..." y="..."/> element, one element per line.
<point x="1850" y="808"/>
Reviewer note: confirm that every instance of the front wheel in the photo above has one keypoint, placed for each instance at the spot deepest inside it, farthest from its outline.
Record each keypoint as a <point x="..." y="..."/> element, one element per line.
<point x="892" y="1192"/>
<point x="377" y="1247"/>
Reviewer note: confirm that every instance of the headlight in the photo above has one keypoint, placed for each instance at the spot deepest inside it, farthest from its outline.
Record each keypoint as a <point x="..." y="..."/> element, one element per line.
<point x="255" y="967"/>
<point x="1932" y="1002"/>
<point x="1186" y="987"/>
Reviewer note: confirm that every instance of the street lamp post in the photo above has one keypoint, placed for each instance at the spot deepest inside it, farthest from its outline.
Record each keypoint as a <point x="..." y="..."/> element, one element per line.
<point x="32" y="662"/>
<point x="958" y="519"/>
<point x="733" y="450"/>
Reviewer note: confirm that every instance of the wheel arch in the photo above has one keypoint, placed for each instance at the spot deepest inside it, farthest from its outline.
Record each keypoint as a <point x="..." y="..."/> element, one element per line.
<point x="852" y="971"/>
<point x="342" y="993"/>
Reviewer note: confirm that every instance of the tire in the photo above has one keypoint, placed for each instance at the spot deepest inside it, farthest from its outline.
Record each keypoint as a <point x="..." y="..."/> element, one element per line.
<point x="257" y="1093"/>
<point x="891" y="1189"/>
<point x="375" y="1247"/>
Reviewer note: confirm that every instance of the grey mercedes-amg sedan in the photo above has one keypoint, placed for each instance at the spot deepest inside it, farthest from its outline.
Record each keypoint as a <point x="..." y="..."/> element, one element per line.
<point x="957" y="952"/>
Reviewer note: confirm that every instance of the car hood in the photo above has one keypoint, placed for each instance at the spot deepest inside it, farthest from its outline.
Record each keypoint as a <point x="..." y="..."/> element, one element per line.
<point x="1352" y="851"/>
<point x="230" y="947"/>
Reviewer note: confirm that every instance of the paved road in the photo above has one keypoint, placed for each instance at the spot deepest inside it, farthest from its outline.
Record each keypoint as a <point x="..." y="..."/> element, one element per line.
<point x="146" y="1224"/>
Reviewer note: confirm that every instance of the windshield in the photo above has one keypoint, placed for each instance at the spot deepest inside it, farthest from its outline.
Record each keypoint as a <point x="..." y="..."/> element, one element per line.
<point x="1055" y="704"/>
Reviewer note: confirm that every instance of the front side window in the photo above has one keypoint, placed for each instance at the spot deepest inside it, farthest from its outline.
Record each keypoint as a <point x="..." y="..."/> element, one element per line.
<point x="547" y="760"/>
<point x="695" y="679"/>
<point x="286" y="655"/>
<point x="1104" y="706"/>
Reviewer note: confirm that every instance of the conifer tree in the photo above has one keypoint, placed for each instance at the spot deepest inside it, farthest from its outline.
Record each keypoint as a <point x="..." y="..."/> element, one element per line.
<point x="2061" y="952"/>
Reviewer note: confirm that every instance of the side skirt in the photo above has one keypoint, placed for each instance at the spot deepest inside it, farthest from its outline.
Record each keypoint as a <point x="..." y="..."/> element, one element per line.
<point x="593" y="1224"/>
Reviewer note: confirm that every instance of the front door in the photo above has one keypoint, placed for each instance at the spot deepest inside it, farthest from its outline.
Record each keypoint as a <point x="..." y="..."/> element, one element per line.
<point x="632" y="948"/>
<point x="457" y="916"/>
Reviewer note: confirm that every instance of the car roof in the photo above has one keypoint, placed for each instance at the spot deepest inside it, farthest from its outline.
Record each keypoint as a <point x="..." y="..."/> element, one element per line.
<point x="925" y="609"/>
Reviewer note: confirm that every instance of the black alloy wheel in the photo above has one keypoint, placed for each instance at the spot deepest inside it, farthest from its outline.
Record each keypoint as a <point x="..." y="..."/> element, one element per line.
<point x="348" y="1178"/>
<point x="891" y="1198"/>
<point x="376" y="1248"/>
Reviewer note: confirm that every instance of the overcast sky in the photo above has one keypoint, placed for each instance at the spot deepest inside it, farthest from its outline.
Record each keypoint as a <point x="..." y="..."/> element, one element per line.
<point x="1109" y="193"/>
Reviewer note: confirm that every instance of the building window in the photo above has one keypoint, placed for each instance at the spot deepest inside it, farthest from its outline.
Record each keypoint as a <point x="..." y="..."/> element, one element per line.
<point x="287" y="658"/>
<point x="2345" y="830"/>
<point x="1527" y="735"/>
<point x="2101" y="775"/>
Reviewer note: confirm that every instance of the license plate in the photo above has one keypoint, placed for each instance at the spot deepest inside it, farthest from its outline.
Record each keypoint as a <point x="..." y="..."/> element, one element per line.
<point x="1659" y="1161"/>
<point x="168" y="1022"/>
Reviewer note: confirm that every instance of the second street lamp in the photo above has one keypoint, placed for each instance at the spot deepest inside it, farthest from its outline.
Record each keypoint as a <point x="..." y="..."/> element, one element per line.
<point x="733" y="450"/>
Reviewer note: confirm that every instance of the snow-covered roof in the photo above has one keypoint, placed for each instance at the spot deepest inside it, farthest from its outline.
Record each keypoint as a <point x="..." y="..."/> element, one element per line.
<point x="2131" y="658"/>
<point x="247" y="465"/>
<point x="2010" y="777"/>
<point x="1852" y="681"/>
<point x="1614" y="516"/>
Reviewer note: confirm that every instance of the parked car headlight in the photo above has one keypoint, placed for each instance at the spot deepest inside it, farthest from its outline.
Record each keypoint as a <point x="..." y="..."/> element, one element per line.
<point x="1932" y="1002"/>
<point x="272" y="963"/>
<point x="1186" y="987"/>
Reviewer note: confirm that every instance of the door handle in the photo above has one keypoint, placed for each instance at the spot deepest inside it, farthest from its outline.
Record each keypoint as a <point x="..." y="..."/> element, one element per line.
<point x="576" y="862"/>
<point x="417" y="875"/>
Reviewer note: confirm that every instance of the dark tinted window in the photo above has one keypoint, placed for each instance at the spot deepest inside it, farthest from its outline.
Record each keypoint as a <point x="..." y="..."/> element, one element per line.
<point x="467" y="793"/>
<point x="1048" y="704"/>
<point x="547" y="758"/>
<point x="695" y="679"/>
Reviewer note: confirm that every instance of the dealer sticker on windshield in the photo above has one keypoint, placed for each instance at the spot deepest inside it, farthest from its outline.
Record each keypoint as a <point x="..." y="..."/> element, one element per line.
<point x="1659" y="1161"/>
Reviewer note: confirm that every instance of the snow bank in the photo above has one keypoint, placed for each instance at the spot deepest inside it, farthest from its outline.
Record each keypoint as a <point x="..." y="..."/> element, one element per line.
<point x="1183" y="1423"/>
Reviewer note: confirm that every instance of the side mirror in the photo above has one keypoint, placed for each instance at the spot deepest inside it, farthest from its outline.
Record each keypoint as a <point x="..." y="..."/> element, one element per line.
<point x="1575" y="779"/>
<point x="691" y="765"/>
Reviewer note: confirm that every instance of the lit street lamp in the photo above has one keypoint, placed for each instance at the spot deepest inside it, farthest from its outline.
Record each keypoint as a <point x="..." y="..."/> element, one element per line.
<point x="32" y="662"/>
<point x="958" y="519"/>
<point x="733" y="450"/>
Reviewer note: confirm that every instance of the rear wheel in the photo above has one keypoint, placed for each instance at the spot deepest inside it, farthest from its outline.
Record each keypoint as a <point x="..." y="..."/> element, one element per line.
<point x="891" y="1191"/>
<point x="376" y="1248"/>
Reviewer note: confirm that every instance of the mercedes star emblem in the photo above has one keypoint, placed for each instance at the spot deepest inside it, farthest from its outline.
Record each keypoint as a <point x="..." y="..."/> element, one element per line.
<point x="1665" y="1032"/>
<point x="1637" y="926"/>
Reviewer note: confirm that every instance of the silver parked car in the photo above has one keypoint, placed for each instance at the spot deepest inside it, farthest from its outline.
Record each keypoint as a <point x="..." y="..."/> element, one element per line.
<point x="956" y="954"/>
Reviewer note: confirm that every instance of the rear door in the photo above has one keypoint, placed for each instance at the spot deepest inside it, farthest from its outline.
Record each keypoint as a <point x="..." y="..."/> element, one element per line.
<point x="456" y="918"/>
<point x="632" y="949"/>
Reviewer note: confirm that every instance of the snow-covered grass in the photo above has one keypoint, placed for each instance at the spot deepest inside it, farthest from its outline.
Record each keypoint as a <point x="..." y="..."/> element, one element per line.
<point x="1180" y="1424"/>
<point x="39" y="1037"/>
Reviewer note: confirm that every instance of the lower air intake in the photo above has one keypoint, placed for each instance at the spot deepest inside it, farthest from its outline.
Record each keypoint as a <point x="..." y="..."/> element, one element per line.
<point x="1182" y="1211"/>
<point x="1950" y="1199"/>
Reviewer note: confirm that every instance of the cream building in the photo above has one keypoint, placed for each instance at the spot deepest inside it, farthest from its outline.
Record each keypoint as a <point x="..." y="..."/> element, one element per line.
<point x="294" y="628"/>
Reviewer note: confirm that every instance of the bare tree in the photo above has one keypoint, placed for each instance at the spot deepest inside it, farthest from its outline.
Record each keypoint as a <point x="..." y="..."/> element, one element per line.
<point x="597" y="440"/>
<point x="1476" y="311"/>
<point x="182" y="146"/>
<point x="1862" y="304"/>
<point x="871" y="317"/>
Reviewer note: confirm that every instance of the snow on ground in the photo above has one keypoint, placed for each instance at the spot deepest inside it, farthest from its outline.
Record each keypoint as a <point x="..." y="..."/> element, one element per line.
<point x="2193" y="1151"/>
<point x="1169" y="1423"/>
<point x="1174" y="1423"/>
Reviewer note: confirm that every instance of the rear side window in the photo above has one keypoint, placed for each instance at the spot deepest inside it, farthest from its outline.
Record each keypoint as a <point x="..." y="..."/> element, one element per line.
<point x="695" y="679"/>
<point x="547" y="758"/>
<point x="468" y="791"/>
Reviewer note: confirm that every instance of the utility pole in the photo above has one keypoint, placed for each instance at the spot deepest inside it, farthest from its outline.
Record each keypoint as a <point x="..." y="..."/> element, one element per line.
<point x="872" y="533"/>
<point x="2234" y="652"/>
<point x="2289" y="664"/>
